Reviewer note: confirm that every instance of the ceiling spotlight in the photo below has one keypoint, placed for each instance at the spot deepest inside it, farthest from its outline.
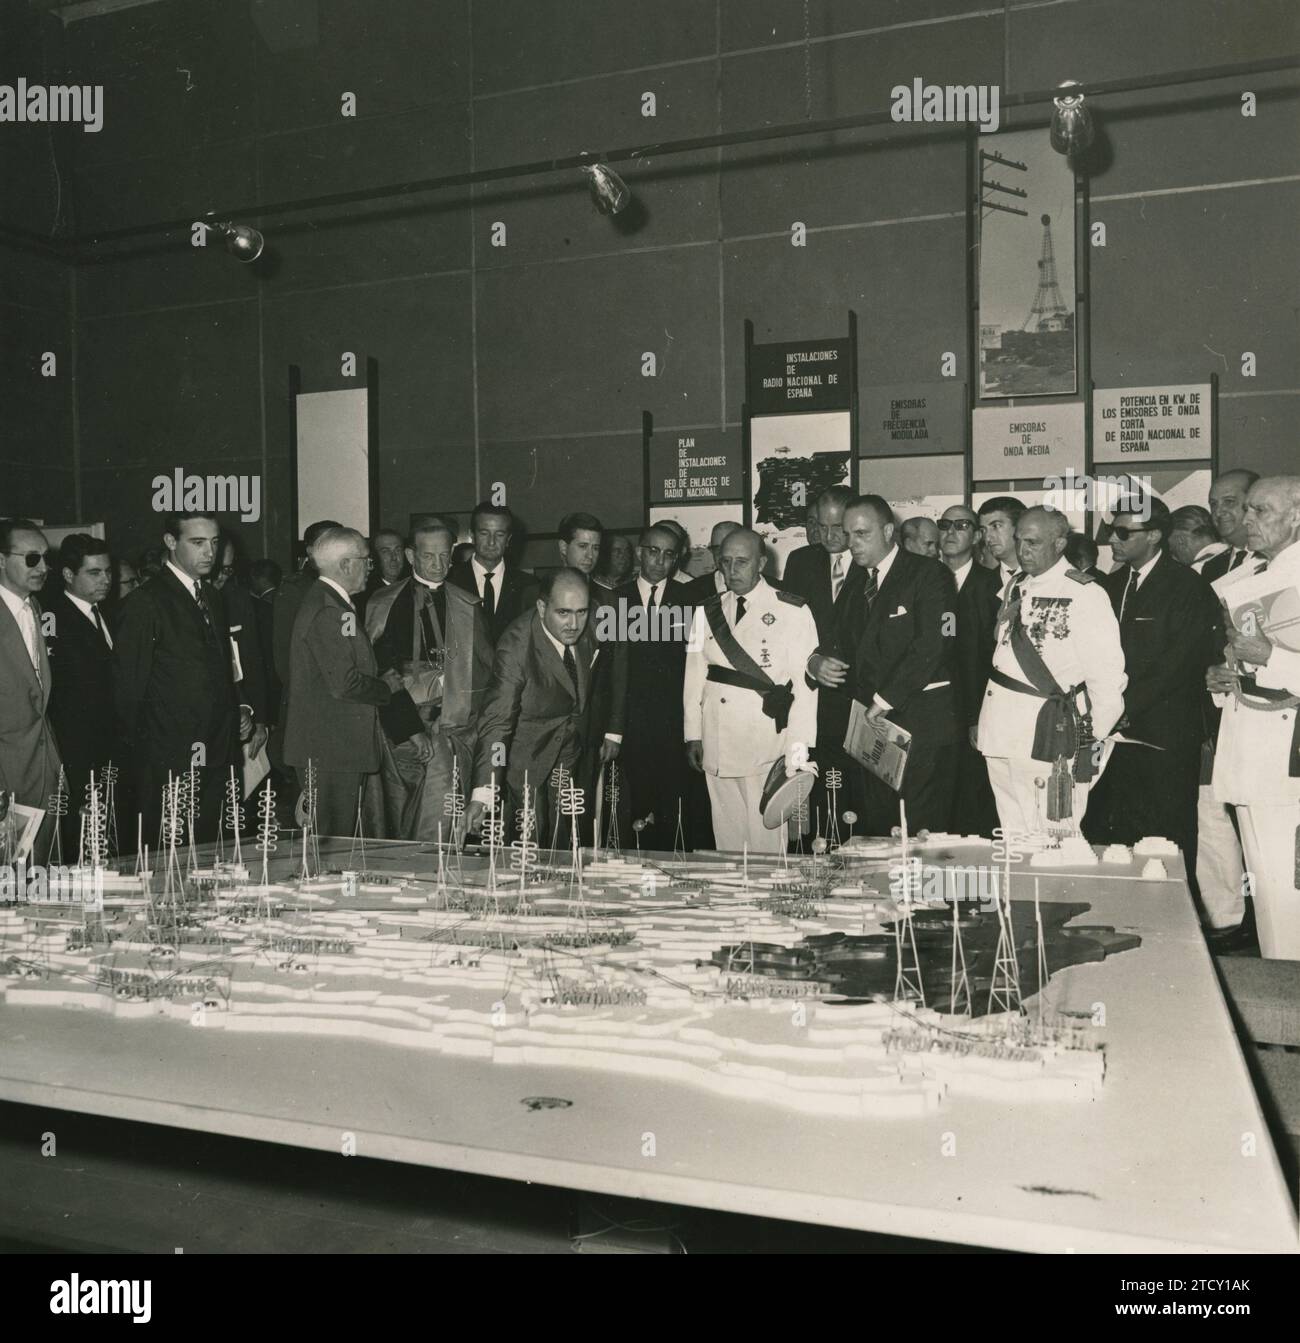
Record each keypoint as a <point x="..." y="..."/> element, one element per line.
<point x="242" y="242"/>
<point x="609" y="192"/>
<point x="1072" y="128"/>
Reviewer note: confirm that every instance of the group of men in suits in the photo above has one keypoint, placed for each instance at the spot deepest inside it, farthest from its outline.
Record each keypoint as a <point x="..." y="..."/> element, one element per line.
<point x="170" y="690"/>
<point x="1037" y="693"/>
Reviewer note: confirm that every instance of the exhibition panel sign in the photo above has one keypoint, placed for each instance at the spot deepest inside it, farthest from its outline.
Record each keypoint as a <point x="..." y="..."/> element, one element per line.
<point x="801" y="375"/>
<point x="1027" y="442"/>
<point x="921" y="419"/>
<point x="1153" y="424"/>
<point x="695" y="466"/>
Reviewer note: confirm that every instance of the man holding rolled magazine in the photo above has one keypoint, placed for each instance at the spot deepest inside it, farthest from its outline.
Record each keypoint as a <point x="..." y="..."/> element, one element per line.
<point x="1257" y="759"/>
<point x="899" y="633"/>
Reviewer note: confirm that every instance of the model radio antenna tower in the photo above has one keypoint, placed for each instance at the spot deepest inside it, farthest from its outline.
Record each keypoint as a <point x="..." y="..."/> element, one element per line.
<point x="1049" y="312"/>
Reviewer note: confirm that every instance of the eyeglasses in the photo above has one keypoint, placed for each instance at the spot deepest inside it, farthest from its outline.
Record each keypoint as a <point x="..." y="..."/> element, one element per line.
<point x="1123" y="533"/>
<point x="33" y="557"/>
<point x="955" y="525"/>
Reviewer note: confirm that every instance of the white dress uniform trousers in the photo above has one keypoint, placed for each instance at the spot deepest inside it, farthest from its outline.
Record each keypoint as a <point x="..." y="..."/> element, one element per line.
<point x="740" y="741"/>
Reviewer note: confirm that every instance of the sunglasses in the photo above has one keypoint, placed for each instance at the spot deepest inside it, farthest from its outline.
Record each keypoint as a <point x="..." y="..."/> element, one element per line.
<point x="33" y="557"/>
<point x="1123" y="533"/>
<point x="955" y="525"/>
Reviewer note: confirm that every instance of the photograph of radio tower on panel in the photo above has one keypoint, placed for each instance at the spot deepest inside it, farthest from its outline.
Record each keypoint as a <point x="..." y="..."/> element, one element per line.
<point x="1026" y="281"/>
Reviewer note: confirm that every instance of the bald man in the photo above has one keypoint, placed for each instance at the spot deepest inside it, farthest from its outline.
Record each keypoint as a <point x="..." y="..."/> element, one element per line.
<point x="1228" y="495"/>
<point x="746" y="702"/>
<point x="538" y="705"/>
<point x="1056" y="688"/>
<point x="1257" y="762"/>
<point x="921" y="537"/>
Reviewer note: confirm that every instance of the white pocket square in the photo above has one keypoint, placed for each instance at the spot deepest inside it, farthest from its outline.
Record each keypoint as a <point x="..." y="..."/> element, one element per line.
<point x="902" y="611"/>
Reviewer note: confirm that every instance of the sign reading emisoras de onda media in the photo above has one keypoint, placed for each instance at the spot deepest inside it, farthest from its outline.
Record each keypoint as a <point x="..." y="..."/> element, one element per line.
<point x="1153" y="424"/>
<point x="800" y="375"/>
<point x="1027" y="441"/>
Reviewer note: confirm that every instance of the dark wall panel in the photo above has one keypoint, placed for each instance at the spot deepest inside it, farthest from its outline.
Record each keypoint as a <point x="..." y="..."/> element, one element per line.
<point x="540" y="479"/>
<point x="560" y="347"/>
<point x="518" y="43"/>
<point x="522" y="363"/>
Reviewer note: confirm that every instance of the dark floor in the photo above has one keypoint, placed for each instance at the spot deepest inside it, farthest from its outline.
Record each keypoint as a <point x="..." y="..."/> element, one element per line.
<point x="113" y="1185"/>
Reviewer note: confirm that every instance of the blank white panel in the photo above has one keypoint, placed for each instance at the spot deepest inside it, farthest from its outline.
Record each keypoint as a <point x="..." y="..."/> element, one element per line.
<point x="334" y="459"/>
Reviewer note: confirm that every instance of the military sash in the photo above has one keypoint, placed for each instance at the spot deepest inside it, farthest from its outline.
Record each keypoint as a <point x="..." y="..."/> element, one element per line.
<point x="1062" y="734"/>
<point x="744" y="672"/>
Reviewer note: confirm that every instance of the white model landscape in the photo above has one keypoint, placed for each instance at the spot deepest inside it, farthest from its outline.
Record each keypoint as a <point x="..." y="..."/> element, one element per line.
<point x="611" y="964"/>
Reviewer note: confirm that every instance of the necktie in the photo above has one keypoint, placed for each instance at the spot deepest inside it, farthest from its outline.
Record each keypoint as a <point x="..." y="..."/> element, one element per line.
<point x="489" y="597"/>
<point x="1129" y="588"/>
<point x="837" y="576"/>
<point x="202" y="605"/>
<point x="654" y="596"/>
<point x="1261" y="564"/>
<point x="1011" y="606"/>
<point x="873" y="586"/>
<point x="1238" y="557"/>
<point x="740" y="610"/>
<point x="571" y="667"/>
<point x="27" y="623"/>
<point x="99" y="625"/>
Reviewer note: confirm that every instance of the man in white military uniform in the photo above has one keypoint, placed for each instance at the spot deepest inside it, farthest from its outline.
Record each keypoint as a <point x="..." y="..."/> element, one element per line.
<point x="745" y="698"/>
<point x="1257" y="759"/>
<point x="1056" y="686"/>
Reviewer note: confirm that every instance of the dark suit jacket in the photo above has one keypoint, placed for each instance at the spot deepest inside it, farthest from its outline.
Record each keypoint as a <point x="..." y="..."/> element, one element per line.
<point x="977" y="622"/>
<point x="284" y="611"/>
<point x="82" y="712"/>
<point x="531" y="709"/>
<point x="242" y="617"/>
<point x="1217" y="565"/>
<point x="264" y="621"/>
<point x="808" y="573"/>
<point x="172" y="677"/>
<point x="900" y="647"/>
<point x="651" y="671"/>
<point x="515" y="596"/>
<point x="334" y="689"/>
<point x="1168" y="636"/>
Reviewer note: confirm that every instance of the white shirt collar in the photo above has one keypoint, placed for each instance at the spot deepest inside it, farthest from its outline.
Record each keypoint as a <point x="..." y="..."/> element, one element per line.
<point x="338" y="587"/>
<point x="433" y="587"/>
<point x="961" y="575"/>
<point x="885" y="566"/>
<point x="644" y="587"/>
<point x="556" y="644"/>
<point x="86" y="608"/>
<point x="480" y="572"/>
<point x="1008" y="573"/>
<point x="1208" y="552"/>
<point x="192" y="585"/>
<point x="760" y="593"/>
<point x="1048" y="575"/>
<point x="16" y="603"/>
<point x="1147" y="567"/>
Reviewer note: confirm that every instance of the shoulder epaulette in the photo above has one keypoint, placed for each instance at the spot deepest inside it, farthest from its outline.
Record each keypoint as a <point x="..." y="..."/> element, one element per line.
<point x="1079" y="577"/>
<point x="792" y="597"/>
